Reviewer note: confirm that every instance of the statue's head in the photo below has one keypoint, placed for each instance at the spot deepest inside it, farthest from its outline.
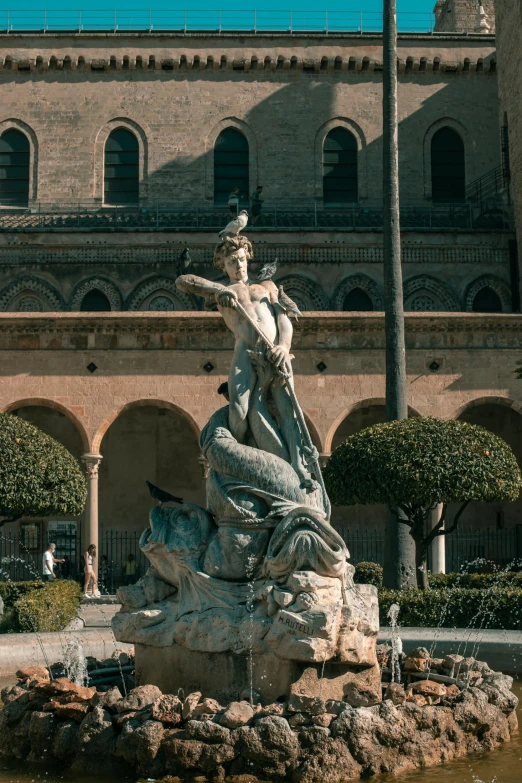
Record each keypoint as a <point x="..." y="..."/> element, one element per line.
<point x="232" y="256"/>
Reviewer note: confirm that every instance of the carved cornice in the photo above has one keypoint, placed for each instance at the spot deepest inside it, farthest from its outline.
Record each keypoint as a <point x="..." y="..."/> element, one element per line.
<point x="202" y="331"/>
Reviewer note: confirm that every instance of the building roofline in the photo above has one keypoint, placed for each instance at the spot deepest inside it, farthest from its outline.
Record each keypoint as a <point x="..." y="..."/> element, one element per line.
<point x="236" y="36"/>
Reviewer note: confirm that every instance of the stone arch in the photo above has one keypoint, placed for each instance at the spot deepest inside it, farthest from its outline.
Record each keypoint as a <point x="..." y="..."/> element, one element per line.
<point x="442" y="295"/>
<point x="358" y="133"/>
<point x="365" y="283"/>
<point x="312" y="429"/>
<point x="307" y="294"/>
<point x="210" y="141"/>
<point x="43" y="296"/>
<point x="19" y="125"/>
<point x="147" y="402"/>
<point x="102" y="284"/>
<point x="146" y="440"/>
<point x="44" y="403"/>
<point x="371" y="402"/>
<point x="469" y="148"/>
<point x="99" y="154"/>
<point x="501" y="288"/>
<point x="488" y="399"/>
<point x="159" y="287"/>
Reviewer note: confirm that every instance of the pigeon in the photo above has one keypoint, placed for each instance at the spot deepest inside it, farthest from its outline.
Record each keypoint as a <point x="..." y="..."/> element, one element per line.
<point x="223" y="389"/>
<point x="267" y="271"/>
<point x="161" y="496"/>
<point x="288" y="305"/>
<point x="184" y="261"/>
<point x="236" y="225"/>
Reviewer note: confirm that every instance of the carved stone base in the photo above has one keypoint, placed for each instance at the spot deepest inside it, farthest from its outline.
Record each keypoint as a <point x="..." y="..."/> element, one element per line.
<point x="223" y="676"/>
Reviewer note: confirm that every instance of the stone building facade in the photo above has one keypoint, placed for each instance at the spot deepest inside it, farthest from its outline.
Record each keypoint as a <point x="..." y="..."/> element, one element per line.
<point x="129" y="390"/>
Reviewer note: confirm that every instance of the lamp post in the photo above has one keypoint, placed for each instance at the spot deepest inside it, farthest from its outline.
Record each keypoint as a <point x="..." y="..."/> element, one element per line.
<point x="399" y="565"/>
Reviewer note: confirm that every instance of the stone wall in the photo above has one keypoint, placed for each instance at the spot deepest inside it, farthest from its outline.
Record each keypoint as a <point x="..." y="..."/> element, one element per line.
<point x="442" y="270"/>
<point x="176" y="93"/>
<point x="509" y="14"/>
<point x="461" y="16"/>
<point x="174" y="363"/>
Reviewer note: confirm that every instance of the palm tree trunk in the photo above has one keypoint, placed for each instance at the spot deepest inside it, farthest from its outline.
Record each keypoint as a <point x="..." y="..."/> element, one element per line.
<point x="399" y="566"/>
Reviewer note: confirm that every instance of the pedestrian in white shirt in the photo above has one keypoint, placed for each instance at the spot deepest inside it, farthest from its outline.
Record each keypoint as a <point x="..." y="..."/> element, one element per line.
<point x="48" y="563"/>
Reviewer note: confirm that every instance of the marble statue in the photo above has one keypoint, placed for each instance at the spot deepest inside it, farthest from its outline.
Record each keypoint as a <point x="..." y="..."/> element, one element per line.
<point x="260" y="568"/>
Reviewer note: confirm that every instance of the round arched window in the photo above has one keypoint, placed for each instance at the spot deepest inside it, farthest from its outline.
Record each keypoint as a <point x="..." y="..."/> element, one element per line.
<point x="487" y="301"/>
<point x="340" y="167"/>
<point x="231" y="169"/>
<point x="122" y="176"/>
<point x="95" y="301"/>
<point x="357" y="300"/>
<point x="14" y="168"/>
<point x="448" y="180"/>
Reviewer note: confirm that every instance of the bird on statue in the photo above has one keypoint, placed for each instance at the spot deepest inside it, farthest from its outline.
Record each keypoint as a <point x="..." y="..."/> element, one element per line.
<point x="236" y="225"/>
<point x="161" y="496"/>
<point x="288" y="304"/>
<point x="267" y="271"/>
<point x="184" y="261"/>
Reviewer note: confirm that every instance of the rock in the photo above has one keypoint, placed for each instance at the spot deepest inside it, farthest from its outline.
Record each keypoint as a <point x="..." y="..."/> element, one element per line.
<point x="359" y="695"/>
<point x="206" y="707"/>
<point x="452" y="691"/>
<point x="120" y="720"/>
<point x="181" y="755"/>
<point x="395" y="692"/>
<point x="250" y="695"/>
<point x="41" y="729"/>
<point x="415" y="664"/>
<point x="122" y="658"/>
<point x="271" y="709"/>
<point x="298" y="719"/>
<point x="147" y="739"/>
<point x="138" y="698"/>
<point x="432" y="691"/>
<point x="108" y="699"/>
<point x="96" y="740"/>
<point x="207" y="731"/>
<point x="383" y="653"/>
<point x="323" y="720"/>
<point x="416" y="698"/>
<point x="125" y="746"/>
<point x="299" y="702"/>
<point x="436" y="664"/>
<point x="131" y="597"/>
<point x="167" y="709"/>
<point x="282" y="596"/>
<point x="155" y="590"/>
<point x="303" y="602"/>
<point x="269" y="749"/>
<point x="328" y="759"/>
<point x="335" y="706"/>
<point x="451" y="664"/>
<point x="420" y="652"/>
<point x="237" y="714"/>
<point x="32" y="673"/>
<point x="189" y="704"/>
<point x="65" y="739"/>
<point x="74" y="711"/>
<point x="12" y="693"/>
<point x="66" y="691"/>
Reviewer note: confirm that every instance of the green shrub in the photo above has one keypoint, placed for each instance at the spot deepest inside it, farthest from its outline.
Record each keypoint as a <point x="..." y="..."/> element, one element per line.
<point x="498" y="607"/>
<point x="368" y="574"/>
<point x="478" y="581"/>
<point x="38" y="476"/>
<point x="41" y="606"/>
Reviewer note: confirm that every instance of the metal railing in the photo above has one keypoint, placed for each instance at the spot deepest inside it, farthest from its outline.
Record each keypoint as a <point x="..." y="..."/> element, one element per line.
<point x="286" y="214"/>
<point x="208" y="21"/>
<point x="485" y="188"/>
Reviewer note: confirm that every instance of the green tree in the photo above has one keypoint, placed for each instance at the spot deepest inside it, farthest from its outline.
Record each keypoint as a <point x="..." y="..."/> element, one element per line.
<point x="38" y="476"/>
<point x="414" y="464"/>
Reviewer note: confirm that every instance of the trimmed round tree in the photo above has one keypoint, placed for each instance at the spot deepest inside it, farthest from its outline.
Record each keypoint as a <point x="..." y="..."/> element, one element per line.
<point x="414" y="464"/>
<point x="38" y="476"/>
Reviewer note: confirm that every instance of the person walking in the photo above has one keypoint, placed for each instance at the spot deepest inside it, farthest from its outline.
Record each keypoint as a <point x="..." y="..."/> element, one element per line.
<point x="90" y="576"/>
<point x="130" y="573"/>
<point x="257" y="203"/>
<point x="48" y="563"/>
<point x="233" y="202"/>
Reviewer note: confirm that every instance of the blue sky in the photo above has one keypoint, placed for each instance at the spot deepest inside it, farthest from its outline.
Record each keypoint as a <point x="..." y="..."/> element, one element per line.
<point x="343" y="14"/>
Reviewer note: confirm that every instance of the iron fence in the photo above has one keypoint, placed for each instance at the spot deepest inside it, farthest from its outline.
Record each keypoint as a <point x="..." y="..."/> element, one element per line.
<point x="281" y="214"/>
<point x="121" y="561"/>
<point x="210" y="21"/>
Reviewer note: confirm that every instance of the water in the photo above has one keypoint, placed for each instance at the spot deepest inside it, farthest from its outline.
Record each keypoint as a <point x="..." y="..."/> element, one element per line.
<point x="75" y="663"/>
<point x="501" y="766"/>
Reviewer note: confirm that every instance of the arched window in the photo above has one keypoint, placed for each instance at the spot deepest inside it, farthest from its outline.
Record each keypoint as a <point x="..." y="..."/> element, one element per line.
<point x="95" y="301"/>
<point x="340" y="167"/>
<point x="448" y="179"/>
<point x="487" y="301"/>
<point x="121" y="179"/>
<point x="14" y="168"/>
<point x="357" y="300"/>
<point x="230" y="166"/>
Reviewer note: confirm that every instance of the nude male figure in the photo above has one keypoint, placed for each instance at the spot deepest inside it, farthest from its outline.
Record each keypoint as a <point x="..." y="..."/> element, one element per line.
<point x="261" y="302"/>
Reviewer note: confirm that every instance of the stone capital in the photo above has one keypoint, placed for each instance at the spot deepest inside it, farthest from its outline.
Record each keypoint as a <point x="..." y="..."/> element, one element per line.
<point x="92" y="463"/>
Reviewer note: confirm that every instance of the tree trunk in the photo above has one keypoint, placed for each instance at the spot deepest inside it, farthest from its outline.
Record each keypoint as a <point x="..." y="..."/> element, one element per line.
<point x="421" y="562"/>
<point x="399" y="565"/>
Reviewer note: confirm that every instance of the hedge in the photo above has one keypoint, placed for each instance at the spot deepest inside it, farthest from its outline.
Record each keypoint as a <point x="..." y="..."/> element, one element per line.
<point x="371" y="574"/>
<point x="40" y="606"/>
<point x="368" y="574"/>
<point x="496" y="608"/>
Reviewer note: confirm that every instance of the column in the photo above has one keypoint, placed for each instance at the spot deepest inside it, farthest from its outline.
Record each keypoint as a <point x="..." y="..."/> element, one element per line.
<point x="92" y="463"/>
<point x="438" y="547"/>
